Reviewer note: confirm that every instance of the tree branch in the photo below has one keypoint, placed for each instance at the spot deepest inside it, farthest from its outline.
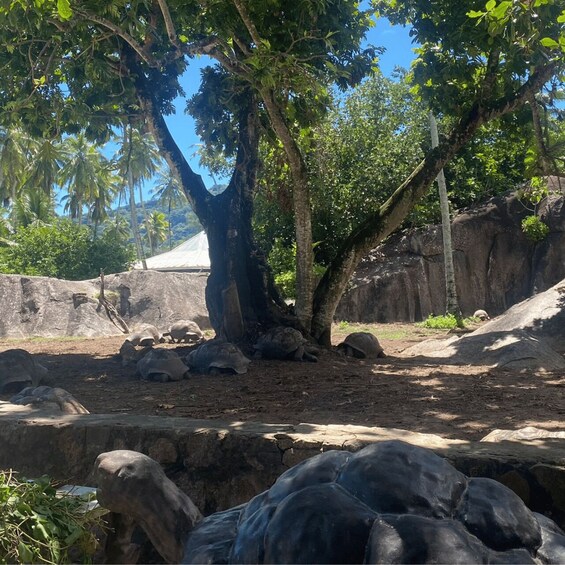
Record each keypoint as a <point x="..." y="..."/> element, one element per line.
<point x="391" y="214"/>
<point x="169" y="24"/>
<point x="490" y="73"/>
<point x="244" y="14"/>
<point x="147" y="57"/>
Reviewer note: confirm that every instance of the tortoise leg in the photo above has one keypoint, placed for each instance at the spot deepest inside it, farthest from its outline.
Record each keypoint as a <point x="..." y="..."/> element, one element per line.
<point x="310" y="357"/>
<point x="302" y="355"/>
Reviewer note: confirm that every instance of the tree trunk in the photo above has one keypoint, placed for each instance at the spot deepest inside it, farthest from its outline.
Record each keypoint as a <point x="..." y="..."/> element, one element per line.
<point x="132" y="209"/>
<point x="302" y="212"/>
<point x="234" y="257"/>
<point x="451" y="301"/>
<point x="134" y="224"/>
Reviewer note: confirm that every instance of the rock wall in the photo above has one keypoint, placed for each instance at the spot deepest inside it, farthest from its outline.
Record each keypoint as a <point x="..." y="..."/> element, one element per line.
<point x="222" y="464"/>
<point x="496" y="266"/>
<point x="46" y="307"/>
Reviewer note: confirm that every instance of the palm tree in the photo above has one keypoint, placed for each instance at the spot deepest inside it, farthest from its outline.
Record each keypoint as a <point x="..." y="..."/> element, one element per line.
<point x="138" y="160"/>
<point x="169" y="191"/>
<point x="47" y="159"/>
<point x="33" y="207"/>
<point x="107" y="189"/>
<point x="119" y="228"/>
<point x="158" y="227"/>
<point x="81" y="174"/>
<point x="14" y="153"/>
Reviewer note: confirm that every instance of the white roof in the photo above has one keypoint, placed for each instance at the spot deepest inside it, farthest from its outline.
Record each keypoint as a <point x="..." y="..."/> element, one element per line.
<point x="191" y="255"/>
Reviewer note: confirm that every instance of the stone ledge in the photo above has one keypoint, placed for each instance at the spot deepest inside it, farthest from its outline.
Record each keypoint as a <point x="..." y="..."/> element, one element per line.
<point x="220" y="464"/>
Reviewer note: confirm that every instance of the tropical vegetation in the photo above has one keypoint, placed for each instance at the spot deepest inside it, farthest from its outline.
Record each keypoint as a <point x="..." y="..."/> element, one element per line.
<point x="276" y="72"/>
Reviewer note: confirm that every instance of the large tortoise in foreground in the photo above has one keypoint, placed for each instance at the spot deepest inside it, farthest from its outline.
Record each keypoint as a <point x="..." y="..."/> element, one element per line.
<point x="390" y="502"/>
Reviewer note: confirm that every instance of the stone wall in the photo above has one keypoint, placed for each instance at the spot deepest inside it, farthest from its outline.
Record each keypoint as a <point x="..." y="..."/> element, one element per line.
<point x="222" y="464"/>
<point x="496" y="266"/>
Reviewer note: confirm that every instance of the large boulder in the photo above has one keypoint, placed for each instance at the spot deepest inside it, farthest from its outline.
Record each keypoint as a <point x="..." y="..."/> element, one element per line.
<point x="530" y="334"/>
<point x="48" y="307"/>
<point x="496" y="266"/>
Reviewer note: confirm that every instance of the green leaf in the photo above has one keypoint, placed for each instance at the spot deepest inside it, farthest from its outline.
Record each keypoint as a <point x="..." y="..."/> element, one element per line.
<point x="64" y="9"/>
<point x="548" y="42"/>
<point x="501" y="11"/>
<point x="25" y="554"/>
<point x="183" y="38"/>
<point x="561" y="18"/>
<point x="475" y="14"/>
<point x="490" y="5"/>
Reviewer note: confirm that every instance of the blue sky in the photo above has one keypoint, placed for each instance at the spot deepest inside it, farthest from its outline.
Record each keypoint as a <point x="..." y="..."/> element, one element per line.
<point x="395" y="39"/>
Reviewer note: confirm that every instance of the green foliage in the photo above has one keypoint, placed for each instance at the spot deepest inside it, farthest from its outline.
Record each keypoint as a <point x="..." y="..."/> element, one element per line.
<point x="39" y="526"/>
<point x="368" y="144"/>
<point x="457" y="40"/>
<point x="534" y="228"/>
<point x="282" y="259"/>
<point x="446" y="322"/>
<point x="65" y="250"/>
<point x="535" y="191"/>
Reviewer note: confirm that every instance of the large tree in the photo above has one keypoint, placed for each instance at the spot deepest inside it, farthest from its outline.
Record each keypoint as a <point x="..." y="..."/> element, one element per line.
<point x="69" y="63"/>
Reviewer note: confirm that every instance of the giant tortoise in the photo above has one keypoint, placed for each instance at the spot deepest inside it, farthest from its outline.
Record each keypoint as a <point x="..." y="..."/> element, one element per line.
<point x="18" y="369"/>
<point x="145" y="335"/>
<point x="481" y="315"/>
<point x="363" y="345"/>
<point x="185" y="331"/>
<point x="283" y="342"/>
<point x="49" y="400"/>
<point x="162" y="365"/>
<point x="218" y="356"/>
<point x="390" y="502"/>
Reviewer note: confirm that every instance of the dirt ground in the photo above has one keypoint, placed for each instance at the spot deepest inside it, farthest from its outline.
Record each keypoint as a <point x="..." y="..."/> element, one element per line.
<point x="464" y="402"/>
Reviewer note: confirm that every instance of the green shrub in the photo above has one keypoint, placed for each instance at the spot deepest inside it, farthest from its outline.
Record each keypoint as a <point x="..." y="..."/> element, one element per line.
<point x="65" y="250"/>
<point x="447" y="322"/>
<point x="286" y="281"/>
<point x="534" y="228"/>
<point x="37" y="525"/>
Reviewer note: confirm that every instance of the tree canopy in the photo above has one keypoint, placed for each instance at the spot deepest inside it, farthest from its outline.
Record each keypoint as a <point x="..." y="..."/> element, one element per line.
<point x="70" y="65"/>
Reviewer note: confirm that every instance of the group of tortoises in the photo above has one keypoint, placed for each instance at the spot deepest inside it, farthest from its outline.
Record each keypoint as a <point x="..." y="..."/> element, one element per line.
<point x="221" y="356"/>
<point x="21" y="373"/>
<point x="20" y="370"/>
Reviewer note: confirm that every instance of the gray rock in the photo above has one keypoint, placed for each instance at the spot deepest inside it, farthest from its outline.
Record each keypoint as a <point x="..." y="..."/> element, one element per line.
<point x="496" y="266"/>
<point x="528" y="433"/>
<point x="48" y="307"/>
